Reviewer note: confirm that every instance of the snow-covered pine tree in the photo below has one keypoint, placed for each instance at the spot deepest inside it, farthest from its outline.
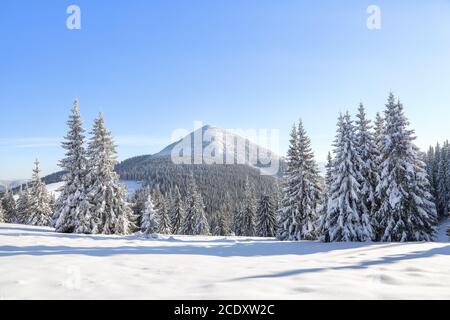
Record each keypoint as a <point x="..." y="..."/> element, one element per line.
<point x="368" y="169"/>
<point x="39" y="209"/>
<point x="249" y="210"/>
<point x="9" y="207"/>
<point x="195" y="222"/>
<point x="149" y="222"/>
<point x="443" y="181"/>
<point x="301" y="203"/>
<point x="288" y="228"/>
<point x="23" y="205"/>
<point x="321" y="231"/>
<point x="165" y="225"/>
<point x="2" y="213"/>
<point x="110" y="211"/>
<point x="266" y="225"/>
<point x="72" y="214"/>
<point x="343" y="221"/>
<point x="139" y="200"/>
<point x="177" y="212"/>
<point x="238" y="221"/>
<point x="223" y="227"/>
<point x="407" y="211"/>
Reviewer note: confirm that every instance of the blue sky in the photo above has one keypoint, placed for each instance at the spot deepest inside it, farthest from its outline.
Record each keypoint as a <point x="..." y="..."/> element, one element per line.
<point x="155" y="66"/>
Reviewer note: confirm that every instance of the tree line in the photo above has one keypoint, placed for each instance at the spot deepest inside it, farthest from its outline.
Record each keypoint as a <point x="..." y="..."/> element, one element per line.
<point x="378" y="186"/>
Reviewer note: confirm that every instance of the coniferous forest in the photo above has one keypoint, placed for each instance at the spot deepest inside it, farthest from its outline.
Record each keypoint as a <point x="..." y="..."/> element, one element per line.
<point x="378" y="186"/>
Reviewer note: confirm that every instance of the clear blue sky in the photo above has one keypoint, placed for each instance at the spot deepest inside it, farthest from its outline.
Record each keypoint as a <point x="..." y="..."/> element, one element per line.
<point x="154" y="66"/>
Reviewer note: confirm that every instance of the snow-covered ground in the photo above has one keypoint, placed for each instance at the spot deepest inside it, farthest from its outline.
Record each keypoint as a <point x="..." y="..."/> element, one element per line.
<point x="54" y="188"/>
<point x="36" y="263"/>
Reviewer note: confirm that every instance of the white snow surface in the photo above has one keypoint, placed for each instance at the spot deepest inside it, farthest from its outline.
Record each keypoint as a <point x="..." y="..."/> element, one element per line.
<point x="37" y="263"/>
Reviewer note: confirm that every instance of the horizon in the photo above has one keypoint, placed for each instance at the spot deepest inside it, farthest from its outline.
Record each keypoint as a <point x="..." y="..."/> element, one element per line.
<point x="152" y="68"/>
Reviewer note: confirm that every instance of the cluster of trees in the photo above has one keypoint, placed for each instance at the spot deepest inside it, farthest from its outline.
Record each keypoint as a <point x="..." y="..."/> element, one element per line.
<point x="34" y="205"/>
<point x="171" y="213"/>
<point x="438" y="167"/>
<point x="376" y="186"/>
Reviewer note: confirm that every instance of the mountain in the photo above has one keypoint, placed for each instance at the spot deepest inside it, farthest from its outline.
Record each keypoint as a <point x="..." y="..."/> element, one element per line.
<point x="194" y="154"/>
<point x="10" y="184"/>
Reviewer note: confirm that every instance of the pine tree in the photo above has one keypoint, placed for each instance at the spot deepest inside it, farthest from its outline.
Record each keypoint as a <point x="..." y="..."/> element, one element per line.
<point x="2" y="213"/>
<point x="302" y="192"/>
<point x="195" y="222"/>
<point x="443" y="181"/>
<point x="9" y="207"/>
<point x="407" y="212"/>
<point x="223" y="227"/>
<point x="165" y="225"/>
<point x="249" y="210"/>
<point x="39" y="209"/>
<point x="368" y="169"/>
<point x="177" y="212"/>
<point x="238" y="221"/>
<point x="343" y="221"/>
<point x="321" y="228"/>
<point x="149" y="222"/>
<point x="23" y="205"/>
<point x="72" y="214"/>
<point x="110" y="213"/>
<point x="266" y="221"/>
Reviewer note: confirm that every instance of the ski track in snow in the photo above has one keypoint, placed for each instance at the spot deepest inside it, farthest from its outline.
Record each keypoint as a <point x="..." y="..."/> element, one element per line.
<point x="36" y="263"/>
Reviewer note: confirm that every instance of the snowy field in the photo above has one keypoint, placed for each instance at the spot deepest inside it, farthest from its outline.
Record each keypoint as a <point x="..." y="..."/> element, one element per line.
<point x="36" y="263"/>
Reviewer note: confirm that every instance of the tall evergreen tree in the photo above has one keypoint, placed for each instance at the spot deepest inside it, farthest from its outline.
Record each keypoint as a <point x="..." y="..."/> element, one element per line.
<point x="407" y="211"/>
<point x="165" y="225"/>
<point x="195" y="222"/>
<point x="443" y="181"/>
<point x="223" y="227"/>
<point x="2" y="213"/>
<point x="266" y="225"/>
<point x="73" y="208"/>
<point x="39" y="209"/>
<point x="238" y="218"/>
<point x="321" y="227"/>
<point x="301" y="203"/>
<point x="23" y="205"/>
<point x="9" y="207"/>
<point x="368" y="169"/>
<point x="177" y="212"/>
<point x="343" y="220"/>
<point x="110" y="211"/>
<point x="149" y="222"/>
<point x="249" y="210"/>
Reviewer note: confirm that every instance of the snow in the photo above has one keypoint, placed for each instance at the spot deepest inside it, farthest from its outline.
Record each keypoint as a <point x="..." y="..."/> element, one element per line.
<point x="36" y="263"/>
<point x="132" y="187"/>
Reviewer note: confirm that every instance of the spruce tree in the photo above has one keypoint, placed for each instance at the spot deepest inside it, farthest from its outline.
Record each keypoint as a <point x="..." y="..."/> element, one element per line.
<point x="195" y="222"/>
<point x="321" y="229"/>
<point x="39" y="209"/>
<point x="249" y="210"/>
<point x="9" y="207"/>
<point x="301" y="204"/>
<point x="110" y="212"/>
<point x="2" y="213"/>
<point x="165" y="225"/>
<point x="368" y="169"/>
<point x="343" y="220"/>
<point x="72" y="214"/>
<point x="149" y="222"/>
<point x="177" y="212"/>
<point x="23" y="205"/>
<point x="238" y="221"/>
<point x="407" y="211"/>
<point x="223" y="227"/>
<point x="266" y="225"/>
